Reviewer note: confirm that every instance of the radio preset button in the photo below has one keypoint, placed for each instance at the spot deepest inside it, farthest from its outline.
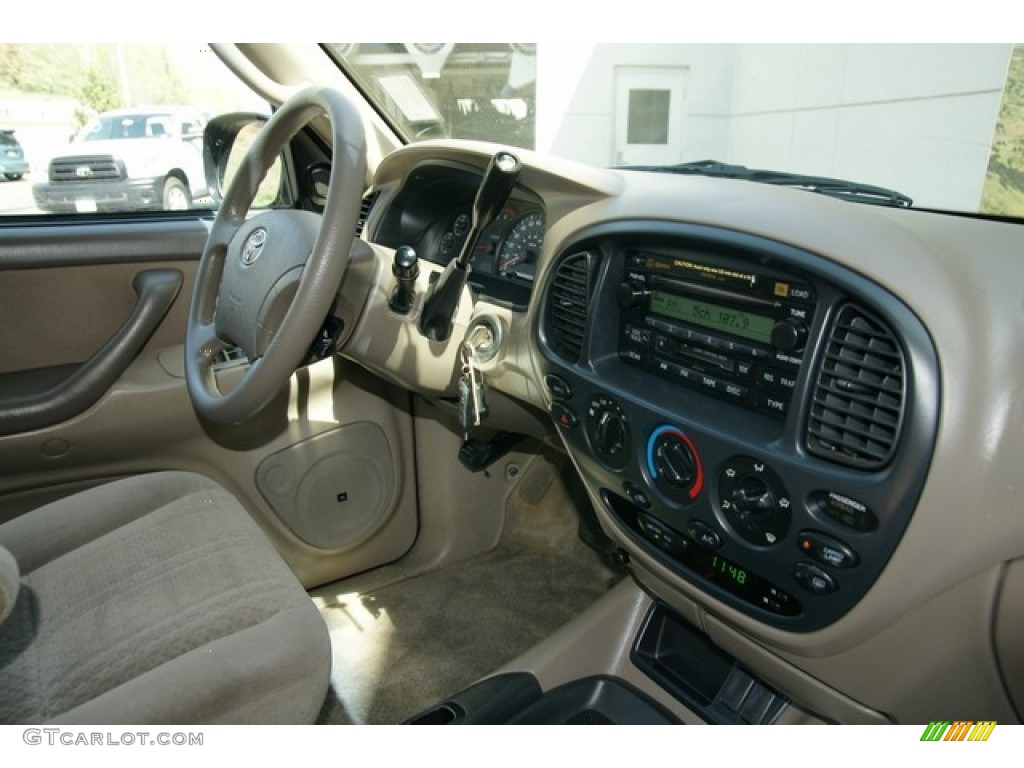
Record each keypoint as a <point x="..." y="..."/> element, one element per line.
<point x="658" y="324"/>
<point x="735" y="390"/>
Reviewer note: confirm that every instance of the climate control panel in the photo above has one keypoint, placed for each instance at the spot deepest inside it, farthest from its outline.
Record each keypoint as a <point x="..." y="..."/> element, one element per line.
<point x="728" y="521"/>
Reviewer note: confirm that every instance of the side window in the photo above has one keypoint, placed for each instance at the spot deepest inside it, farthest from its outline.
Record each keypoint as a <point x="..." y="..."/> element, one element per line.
<point x="92" y="128"/>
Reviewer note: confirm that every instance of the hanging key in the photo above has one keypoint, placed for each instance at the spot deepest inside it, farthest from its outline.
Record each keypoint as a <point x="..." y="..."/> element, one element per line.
<point x="472" y="396"/>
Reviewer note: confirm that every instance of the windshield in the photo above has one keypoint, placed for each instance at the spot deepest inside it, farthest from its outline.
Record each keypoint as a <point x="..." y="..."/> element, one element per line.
<point x="127" y="126"/>
<point x="942" y="125"/>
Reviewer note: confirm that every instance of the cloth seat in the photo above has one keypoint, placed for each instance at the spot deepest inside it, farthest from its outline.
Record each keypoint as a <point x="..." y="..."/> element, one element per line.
<point x="156" y="599"/>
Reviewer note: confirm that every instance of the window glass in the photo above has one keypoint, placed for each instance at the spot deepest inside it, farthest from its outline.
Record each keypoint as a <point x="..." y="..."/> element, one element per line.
<point x="648" y="117"/>
<point x="110" y="127"/>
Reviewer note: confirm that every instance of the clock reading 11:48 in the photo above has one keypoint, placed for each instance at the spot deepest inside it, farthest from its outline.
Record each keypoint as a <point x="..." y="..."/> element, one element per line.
<point x="729" y="570"/>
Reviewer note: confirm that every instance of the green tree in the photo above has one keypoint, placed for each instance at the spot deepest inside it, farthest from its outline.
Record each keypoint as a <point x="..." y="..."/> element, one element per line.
<point x="99" y="90"/>
<point x="1004" y="182"/>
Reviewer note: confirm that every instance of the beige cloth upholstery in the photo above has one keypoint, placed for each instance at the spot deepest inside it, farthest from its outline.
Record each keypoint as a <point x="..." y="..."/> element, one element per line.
<point x="156" y="600"/>
<point x="9" y="583"/>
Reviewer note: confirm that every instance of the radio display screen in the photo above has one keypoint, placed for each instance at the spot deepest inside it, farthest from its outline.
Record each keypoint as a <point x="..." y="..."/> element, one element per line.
<point x="714" y="316"/>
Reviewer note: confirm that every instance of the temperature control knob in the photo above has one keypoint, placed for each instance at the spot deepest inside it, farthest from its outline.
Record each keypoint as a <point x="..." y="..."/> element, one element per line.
<point x="674" y="464"/>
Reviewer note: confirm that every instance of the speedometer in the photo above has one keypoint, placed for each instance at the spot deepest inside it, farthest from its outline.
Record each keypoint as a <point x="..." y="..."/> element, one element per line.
<point x="518" y="254"/>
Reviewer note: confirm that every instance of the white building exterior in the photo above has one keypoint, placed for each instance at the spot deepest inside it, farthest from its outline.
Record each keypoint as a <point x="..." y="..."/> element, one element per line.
<point x="852" y="111"/>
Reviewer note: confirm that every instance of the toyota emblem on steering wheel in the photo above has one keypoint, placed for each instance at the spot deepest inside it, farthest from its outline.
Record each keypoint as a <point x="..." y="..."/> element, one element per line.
<point x="254" y="246"/>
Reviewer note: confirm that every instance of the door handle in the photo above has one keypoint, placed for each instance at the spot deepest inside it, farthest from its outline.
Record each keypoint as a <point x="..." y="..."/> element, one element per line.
<point x="35" y="399"/>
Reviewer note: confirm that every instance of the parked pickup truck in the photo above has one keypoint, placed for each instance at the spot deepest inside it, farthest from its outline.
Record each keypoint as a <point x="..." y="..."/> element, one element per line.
<point x="129" y="159"/>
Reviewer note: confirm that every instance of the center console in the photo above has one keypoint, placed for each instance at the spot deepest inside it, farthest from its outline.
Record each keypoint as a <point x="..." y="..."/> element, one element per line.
<point x="753" y="417"/>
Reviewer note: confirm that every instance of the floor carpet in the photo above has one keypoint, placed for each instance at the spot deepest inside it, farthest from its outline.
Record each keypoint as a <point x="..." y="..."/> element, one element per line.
<point x="404" y="647"/>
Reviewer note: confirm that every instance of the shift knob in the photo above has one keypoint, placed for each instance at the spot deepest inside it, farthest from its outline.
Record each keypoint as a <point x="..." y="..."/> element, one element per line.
<point x="406" y="268"/>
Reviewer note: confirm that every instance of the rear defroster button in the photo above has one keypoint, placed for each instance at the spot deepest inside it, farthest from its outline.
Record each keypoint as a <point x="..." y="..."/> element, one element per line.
<point x="813" y="579"/>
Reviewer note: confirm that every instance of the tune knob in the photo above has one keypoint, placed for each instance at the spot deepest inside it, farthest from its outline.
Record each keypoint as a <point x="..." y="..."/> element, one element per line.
<point x="789" y="335"/>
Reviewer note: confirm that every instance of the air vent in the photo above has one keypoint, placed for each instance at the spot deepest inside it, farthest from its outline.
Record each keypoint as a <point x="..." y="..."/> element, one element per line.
<point x="568" y="304"/>
<point x="857" y="409"/>
<point x="364" y="211"/>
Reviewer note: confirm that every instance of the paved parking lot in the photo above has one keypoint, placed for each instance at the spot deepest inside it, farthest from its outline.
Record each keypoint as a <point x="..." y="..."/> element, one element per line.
<point x="16" y="196"/>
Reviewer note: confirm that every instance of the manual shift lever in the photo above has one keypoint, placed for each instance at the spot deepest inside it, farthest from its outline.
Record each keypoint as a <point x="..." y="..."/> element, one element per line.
<point x="440" y="305"/>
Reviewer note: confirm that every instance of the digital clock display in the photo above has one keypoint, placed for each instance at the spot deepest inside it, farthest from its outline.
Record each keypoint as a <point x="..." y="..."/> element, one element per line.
<point x="714" y="316"/>
<point x="727" y="571"/>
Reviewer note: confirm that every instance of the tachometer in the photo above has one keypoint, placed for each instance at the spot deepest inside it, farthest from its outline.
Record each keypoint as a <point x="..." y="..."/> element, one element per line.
<point x="518" y="254"/>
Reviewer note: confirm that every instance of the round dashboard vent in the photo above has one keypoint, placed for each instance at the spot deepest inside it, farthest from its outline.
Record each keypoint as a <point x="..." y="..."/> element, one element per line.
<point x="859" y="398"/>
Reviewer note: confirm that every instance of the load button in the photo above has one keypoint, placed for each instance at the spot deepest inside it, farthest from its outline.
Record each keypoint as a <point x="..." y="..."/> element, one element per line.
<point x="827" y="550"/>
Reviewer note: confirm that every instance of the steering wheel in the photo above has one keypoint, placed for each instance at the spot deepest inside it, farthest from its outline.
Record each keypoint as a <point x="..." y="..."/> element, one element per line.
<point x="266" y="283"/>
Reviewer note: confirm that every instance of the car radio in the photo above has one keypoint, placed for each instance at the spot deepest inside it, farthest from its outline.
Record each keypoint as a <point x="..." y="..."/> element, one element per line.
<point x="724" y="330"/>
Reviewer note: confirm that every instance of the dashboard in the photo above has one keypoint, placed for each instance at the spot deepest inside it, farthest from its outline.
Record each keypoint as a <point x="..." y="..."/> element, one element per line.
<point x="432" y="214"/>
<point x="794" y="414"/>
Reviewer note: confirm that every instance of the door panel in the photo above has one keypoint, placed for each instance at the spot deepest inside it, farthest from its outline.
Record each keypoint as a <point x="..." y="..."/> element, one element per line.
<point x="65" y="290"/>
<point x="39" y="397"/>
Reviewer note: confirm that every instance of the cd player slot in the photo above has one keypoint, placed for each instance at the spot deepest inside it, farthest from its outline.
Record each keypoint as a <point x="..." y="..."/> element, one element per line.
<point x="706" y="356"/>
<point x="707" y="292"/>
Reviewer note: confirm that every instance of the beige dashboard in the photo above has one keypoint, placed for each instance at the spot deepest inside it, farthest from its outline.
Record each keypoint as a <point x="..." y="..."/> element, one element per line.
<point x="940" y="623"/>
